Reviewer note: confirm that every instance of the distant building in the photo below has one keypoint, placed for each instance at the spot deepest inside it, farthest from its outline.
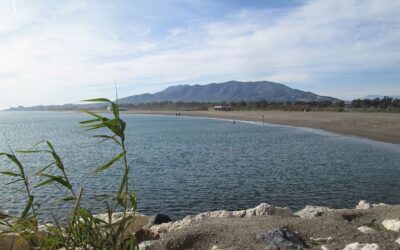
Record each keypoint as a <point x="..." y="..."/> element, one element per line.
<point x="109" y="108"/>
<point x="222" y="108"/>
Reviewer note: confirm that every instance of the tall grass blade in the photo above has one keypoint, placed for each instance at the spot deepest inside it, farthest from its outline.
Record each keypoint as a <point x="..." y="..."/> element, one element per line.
<point x="110" y="163"/>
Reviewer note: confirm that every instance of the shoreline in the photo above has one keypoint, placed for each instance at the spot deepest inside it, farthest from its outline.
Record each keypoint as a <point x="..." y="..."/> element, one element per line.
<point x="366" y="226"/>
<point x="373" y="226"/>
<point x="381" y="127"/>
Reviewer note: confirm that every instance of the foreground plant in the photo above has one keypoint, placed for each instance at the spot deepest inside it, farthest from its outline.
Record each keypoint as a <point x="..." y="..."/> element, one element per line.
<point x="82" y="229"/>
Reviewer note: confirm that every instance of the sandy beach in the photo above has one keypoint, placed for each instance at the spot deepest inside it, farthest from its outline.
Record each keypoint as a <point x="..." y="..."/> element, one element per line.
<point x="375" y="126"/>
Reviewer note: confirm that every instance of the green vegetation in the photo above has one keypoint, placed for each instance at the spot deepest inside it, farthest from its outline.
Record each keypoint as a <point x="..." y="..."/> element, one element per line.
<point x="376" y="105"/>
<point x="82" y="229"/>
<point x="385" y="104"/>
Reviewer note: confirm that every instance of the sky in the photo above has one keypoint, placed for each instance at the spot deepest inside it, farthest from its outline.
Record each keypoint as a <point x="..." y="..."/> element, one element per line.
<point x="56" y="52"/>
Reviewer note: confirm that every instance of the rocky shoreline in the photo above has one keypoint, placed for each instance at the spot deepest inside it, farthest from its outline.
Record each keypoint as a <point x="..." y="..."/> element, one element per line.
<point x="367" y="227"/>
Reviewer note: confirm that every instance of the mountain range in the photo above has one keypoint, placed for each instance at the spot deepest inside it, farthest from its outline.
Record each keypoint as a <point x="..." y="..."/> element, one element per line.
<point x="232" y="91"/>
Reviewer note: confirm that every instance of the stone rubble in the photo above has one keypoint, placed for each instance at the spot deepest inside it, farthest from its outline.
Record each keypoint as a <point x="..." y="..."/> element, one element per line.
<point x="282" y="238"/>
<point x="360" y="246"/>
<point x="392" y="224"/>
<point x="263" y="209"/>
<point x="366" y="230"/>
<point x="312" y="211"/>
<point x="366" y="205"/>
<point x="321" y="240"/>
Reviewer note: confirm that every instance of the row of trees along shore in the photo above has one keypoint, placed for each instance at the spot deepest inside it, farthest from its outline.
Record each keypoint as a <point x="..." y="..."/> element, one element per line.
<point x="385" y="104"/>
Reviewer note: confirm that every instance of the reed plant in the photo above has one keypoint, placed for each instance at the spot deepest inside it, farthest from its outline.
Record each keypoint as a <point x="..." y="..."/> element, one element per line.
<point x="82" y="229"/>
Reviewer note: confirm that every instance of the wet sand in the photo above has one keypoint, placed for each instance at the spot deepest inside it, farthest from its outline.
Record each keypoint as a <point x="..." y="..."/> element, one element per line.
<point x="375" y="126"/>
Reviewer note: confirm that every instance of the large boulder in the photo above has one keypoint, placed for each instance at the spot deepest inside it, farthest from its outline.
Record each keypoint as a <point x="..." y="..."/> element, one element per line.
<point x="282" y="238"/>
<point x="393" y="225"/>
<point x="360" y="246"/>
<point x="312" y="211"/>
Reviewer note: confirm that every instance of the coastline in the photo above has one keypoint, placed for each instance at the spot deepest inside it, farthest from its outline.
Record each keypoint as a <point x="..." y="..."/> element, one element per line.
<point x="383" y="127"/>
<point x="367" y="226"/>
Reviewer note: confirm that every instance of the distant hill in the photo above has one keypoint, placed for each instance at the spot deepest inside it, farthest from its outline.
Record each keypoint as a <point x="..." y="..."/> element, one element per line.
<point x="232" y="91"/>
<point x="380" y="97"/>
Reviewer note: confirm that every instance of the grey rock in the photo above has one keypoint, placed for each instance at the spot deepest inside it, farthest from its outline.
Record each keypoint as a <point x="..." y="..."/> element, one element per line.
<point x="282" y="239"/>
<point x="321" y="240"/>
<point x="363" y="205"/>
<point x="392" y="224"/>
<point x="312" y="211"/>
<point x="266" y="209"/>
<point x="158" y="219"/>
<point x="146" y="245"/>
<point x="360" y="246"/>
<point x="366" y="230"/>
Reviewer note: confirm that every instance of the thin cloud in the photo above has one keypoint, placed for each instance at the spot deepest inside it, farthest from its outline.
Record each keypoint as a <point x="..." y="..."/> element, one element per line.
<point x="65" y="51"/>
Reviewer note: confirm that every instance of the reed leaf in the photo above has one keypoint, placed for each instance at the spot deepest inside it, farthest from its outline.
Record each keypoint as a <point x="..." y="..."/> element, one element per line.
<point x="53" y="178"/>
<point x="28" y="206"/>
<point x="9" y="173"/>
<point x="110" y="163"/>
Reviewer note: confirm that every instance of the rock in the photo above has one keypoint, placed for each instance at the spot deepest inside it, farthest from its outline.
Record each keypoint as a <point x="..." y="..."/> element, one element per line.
<point x="11" y="241"/>
<point x="214" y="214"/>
<point x="239" y="214"/>
<point x="321" y="240"/>
<point x="380" y="205"/>
<point x="262" y="209"/>
<point x="362" y="204"/>
<point x="140" y="220"/>
<point x="312" y="211"/>
<point x="325" y="247"/>
<point x="157" y="220"/>
<point x="160" y="218"/>
<point x="350" y="216"/>
<point x="146" y="244"/>
<point x="393" y="225"/>
<point x="398" y="241"/>
<point x="282" y="238"/>
<point x="4" y="214"/>
<point x="367" y="230"/>
<point x="359" y="246"/>
<point x="266" y="209"/>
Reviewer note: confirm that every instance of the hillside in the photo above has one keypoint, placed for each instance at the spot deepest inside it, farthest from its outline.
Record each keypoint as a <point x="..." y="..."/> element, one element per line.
<point x="228" y="91"/>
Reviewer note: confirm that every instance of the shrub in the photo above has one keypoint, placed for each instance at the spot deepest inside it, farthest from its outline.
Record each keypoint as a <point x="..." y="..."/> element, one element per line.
<point x="82" y="229"/>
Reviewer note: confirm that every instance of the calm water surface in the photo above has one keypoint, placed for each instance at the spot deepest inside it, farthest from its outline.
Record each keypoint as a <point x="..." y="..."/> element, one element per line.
<point x="189" y="165"/>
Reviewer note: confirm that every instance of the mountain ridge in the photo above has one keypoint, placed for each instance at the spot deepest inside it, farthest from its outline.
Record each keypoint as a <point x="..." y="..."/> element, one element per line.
<point x="230" y="91"/>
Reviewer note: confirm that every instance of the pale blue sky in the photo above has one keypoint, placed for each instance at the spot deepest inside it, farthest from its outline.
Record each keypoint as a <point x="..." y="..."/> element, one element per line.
<point x="55" y="52"/>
